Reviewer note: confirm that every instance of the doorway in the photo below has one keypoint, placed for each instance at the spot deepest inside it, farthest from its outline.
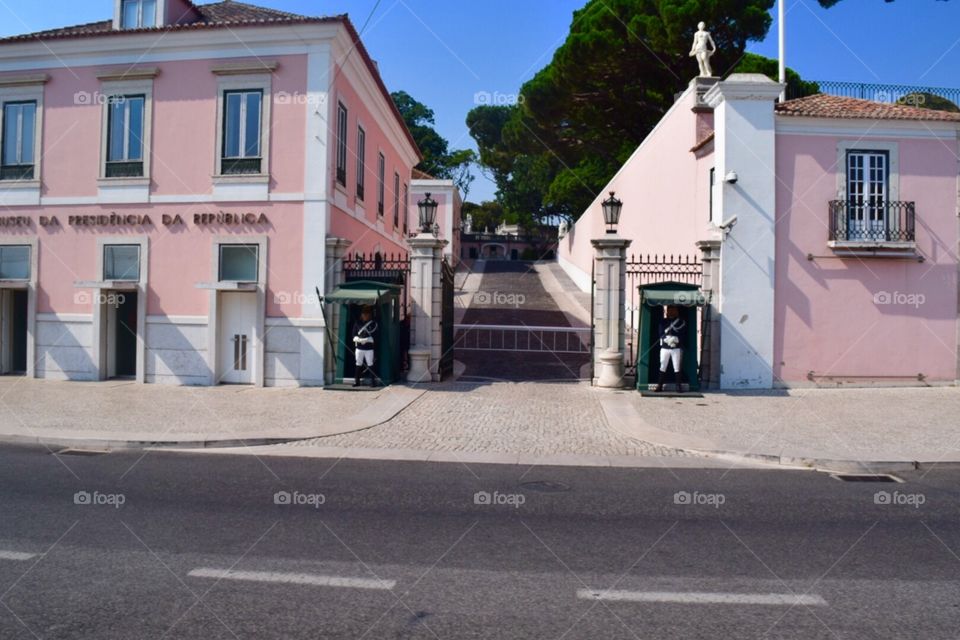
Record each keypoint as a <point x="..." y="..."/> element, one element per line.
<point x="13" y="342"/>
<point x="237" y="328"/>
<point x="121" y="308"/>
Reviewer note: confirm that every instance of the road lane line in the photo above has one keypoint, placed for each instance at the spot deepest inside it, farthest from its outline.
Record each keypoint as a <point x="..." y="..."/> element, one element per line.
<point x="16" y="555"/>
<point x="781" y="599"/>
<point x="293" y="578"/>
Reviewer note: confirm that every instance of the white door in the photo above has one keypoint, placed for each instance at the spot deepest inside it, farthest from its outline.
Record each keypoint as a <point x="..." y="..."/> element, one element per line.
<point x="238" y="313"/>
<point x="867" y="177"/>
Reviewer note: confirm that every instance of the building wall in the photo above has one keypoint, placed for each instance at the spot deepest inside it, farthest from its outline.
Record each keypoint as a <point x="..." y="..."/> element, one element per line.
<point x="665" y="192"/>
<point x="832" y="314"/>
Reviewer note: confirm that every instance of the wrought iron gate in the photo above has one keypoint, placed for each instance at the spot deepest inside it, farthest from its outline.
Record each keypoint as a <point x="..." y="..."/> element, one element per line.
<point x="446" y="319"/>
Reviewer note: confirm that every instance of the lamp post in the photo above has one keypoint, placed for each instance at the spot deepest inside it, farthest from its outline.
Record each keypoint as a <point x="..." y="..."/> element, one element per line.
<point x="611" y="212"/>
<point x="428" y="214"/>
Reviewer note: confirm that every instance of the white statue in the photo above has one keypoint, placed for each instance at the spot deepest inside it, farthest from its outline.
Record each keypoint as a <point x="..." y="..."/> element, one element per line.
<point x="468" y="224"/>
<point x="562" y="231"/>
<point x="703" y="47"/>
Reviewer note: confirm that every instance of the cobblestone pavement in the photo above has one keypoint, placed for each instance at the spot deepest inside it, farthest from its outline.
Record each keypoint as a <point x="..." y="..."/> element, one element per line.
<point x="511" y="293"/>
<point x="533" y="418"/>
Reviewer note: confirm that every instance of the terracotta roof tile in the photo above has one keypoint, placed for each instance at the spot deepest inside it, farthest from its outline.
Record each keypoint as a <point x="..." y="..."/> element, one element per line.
<point x="826" y="106"/>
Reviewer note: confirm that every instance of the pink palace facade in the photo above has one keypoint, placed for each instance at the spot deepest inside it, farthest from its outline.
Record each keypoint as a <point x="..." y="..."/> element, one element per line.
<point x="173" y="183"/>
<point x="828" y="228"/>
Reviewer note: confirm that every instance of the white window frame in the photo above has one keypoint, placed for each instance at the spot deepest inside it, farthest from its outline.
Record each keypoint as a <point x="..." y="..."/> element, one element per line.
<point x="361" y="162"/>
<point x="239" y="242"/>
<point x="127" y="88"/>
<point x="381" y="184"/>
<point x="245" y="82"/>
<point x="103" y="261"/>
<point x="160" y="8"/>
<point x="892" y="151"/>
<point x="31" y="93"/>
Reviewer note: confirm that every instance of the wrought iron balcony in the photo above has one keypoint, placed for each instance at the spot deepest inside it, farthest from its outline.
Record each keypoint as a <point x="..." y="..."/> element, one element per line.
<point x="872" y="221"/>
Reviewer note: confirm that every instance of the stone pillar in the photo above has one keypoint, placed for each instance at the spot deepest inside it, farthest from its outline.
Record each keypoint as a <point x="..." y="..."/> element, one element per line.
<point x="710" y="349"/>
<point x="426" y="298"/>
<point x="745" y="212"/>
<point x="609" y="309"/>
<point x="333" y="276"/>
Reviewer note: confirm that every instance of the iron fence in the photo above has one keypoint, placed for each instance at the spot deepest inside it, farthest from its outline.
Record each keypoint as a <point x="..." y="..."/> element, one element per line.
<point x="872" y="220"/>
<point x="917" y="96"/>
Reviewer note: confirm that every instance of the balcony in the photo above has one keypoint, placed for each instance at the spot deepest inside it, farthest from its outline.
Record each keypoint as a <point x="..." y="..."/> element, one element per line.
<point x="872" y="224"/>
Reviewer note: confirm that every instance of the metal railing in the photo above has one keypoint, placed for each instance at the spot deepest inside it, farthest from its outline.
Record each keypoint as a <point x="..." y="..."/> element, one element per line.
<point x="910" y="95"/>
<point x="522" y="338"/>
<point x="872" y="220"/>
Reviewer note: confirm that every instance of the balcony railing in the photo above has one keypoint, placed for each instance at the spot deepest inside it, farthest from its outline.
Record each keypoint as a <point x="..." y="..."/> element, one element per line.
<point x="910" y="95"/>
<point x="870" y="220"/>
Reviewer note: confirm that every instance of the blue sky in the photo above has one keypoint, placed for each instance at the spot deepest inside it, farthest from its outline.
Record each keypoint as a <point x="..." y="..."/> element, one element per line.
<point x="446" y="53"/>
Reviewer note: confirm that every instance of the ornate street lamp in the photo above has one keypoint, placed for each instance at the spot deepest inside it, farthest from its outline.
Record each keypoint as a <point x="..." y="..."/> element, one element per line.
<point x="611" y="212"/>
<point x="428" y="214"/>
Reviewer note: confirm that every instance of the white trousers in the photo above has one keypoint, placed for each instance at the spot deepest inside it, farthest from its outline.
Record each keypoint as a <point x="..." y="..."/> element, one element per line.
<point x="364" y="357"/>
<point x="666" y="355"/>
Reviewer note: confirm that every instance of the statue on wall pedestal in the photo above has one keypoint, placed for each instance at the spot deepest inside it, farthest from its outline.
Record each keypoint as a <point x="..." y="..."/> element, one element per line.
<point x="703" y="47"/>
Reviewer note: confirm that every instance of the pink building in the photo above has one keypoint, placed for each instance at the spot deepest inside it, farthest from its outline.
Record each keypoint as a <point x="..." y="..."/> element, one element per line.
<point x="828" y="228"/>
<point x="175" y="182"/>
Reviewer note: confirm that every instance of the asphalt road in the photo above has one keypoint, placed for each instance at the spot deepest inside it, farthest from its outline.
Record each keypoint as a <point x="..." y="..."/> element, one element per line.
<point x="167" y="545"/>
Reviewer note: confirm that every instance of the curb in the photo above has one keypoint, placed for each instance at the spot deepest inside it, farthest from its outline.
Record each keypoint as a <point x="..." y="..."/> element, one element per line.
<point x="624" y="418"/>
<point x="375" y="416"/>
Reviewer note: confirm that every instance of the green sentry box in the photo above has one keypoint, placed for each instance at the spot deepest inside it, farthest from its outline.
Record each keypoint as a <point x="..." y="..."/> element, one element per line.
<point x="653" y="297"/>
<point x="385" y="300"/>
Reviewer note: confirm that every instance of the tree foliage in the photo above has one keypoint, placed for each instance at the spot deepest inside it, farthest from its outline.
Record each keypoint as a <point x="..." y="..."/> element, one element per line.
<point x="607" y="86"/>
<point x="438" y="160"/>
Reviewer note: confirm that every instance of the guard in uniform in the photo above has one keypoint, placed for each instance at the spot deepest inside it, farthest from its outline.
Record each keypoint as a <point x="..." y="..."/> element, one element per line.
<point x="673" y="335"/>
<point x="364" y="342"/>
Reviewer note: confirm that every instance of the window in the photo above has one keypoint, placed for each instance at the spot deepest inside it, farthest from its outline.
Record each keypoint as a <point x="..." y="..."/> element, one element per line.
<point x="239" y="262"/>
<point x="19" y="135"/>
<point x="341" y="144"/>
<point x="406" y="207"/>
<point x="125" y="128"/>
<point x="121" y="262"/>
<point x="15" y="262"/>
<point x="138" y="14"/>
<point x="361" y="160"/>
<point x="713" y="183"/>
<point x="381" y="177"/>
<point x="242" y="120"/>
<point x="396" y="200"/>
<point x="867" y="193"/>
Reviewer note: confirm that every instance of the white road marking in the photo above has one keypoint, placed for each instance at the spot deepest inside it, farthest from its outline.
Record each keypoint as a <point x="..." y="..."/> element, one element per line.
<point x="780" y="599"/>
<point x="293" y="578"/>
<point x="16" y="555"/>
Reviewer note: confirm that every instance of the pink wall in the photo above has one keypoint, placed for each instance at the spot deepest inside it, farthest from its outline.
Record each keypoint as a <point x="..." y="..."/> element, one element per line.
<point x="180" y="255"/>
<point x="342" y="223"/>
<point x="665" y="192"/>
<point x="826" y="317"/>
<point x="184" y="129"/>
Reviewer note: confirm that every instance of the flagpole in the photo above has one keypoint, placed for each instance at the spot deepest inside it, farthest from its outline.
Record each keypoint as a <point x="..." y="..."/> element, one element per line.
<point x="783" y="47"/>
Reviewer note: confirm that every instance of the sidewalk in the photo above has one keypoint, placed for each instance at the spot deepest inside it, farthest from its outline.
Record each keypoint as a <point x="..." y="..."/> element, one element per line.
<point x="832" y="428"/>
<point x="127" y="414"/>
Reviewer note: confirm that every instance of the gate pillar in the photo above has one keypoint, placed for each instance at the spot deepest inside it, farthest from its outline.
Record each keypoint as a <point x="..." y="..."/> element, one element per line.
<point x="609" y="310"/>
<point x="336" y="249"/>
<point x="426" y="298"/>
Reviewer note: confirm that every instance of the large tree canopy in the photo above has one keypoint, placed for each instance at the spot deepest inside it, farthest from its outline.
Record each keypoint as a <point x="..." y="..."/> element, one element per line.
<point x="607" y="86"/>
<point x="438" y="160"/>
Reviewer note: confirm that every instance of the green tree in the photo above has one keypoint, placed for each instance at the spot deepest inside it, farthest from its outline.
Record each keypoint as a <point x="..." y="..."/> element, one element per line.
<point x="606" y="87"/>
<point x="438" y="160"/>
